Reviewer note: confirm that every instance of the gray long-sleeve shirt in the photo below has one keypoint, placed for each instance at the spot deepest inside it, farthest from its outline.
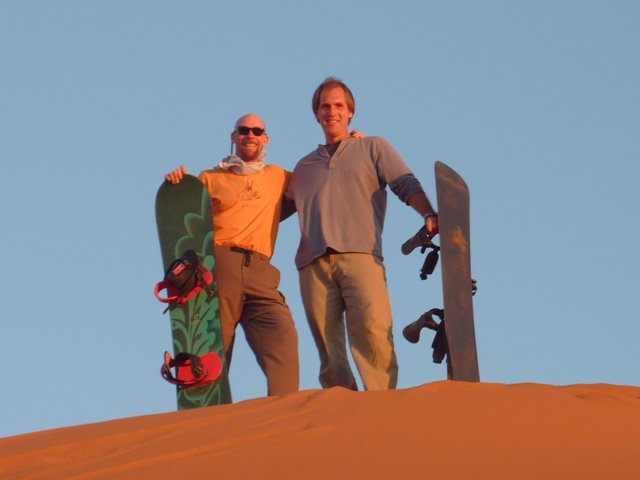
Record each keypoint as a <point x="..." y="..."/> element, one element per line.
<point x="341" y="199"/>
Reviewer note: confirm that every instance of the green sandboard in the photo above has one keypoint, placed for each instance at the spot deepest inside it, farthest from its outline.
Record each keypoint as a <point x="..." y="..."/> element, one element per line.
<point x="184" y="217"/>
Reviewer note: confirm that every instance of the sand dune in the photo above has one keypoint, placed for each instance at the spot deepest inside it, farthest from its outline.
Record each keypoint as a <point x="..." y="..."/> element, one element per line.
<point x="442" y="430"/>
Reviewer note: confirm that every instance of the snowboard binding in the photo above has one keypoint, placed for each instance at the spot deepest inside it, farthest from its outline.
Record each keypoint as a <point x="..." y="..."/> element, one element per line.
<point x="412" y="331"/>
<point x="439" y="345"/>
<point x="191" y="370"/>
<point x="184" y="278"/>
<point x="423" y="240"/>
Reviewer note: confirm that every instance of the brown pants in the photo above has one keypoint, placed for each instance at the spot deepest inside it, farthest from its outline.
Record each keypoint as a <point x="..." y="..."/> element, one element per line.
<point x="249" y="296"/>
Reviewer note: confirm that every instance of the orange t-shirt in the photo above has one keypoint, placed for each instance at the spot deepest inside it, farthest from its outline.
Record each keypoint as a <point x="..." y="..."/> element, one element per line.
<point x="246" y="208"/>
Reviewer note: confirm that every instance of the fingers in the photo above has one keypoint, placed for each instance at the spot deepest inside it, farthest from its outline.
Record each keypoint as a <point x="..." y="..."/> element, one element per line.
<point x="356" y="134"/>
<point x="176" y="176"/>
<point x="432" y="226"/>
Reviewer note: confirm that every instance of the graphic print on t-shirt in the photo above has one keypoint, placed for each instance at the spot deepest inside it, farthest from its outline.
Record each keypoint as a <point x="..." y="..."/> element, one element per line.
<point x="248" y="193"/>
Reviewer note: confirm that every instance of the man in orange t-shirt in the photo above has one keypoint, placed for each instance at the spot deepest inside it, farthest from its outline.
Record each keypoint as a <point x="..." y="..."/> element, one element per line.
<point x="247" y="209"/>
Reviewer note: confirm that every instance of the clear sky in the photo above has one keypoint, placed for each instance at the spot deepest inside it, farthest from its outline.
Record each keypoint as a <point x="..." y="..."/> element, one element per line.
<point x="535" y="104"/>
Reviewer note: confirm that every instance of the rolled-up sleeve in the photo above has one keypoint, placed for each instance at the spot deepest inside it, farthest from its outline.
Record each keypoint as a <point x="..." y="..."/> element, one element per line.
<point x="405" y="186"/>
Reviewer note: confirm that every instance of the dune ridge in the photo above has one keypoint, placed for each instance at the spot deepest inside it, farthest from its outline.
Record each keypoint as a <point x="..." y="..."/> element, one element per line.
<point x="437" y="430"/>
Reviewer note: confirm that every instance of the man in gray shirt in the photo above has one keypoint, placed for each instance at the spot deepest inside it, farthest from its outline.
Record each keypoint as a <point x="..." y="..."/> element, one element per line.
<point x="339" y="191"/>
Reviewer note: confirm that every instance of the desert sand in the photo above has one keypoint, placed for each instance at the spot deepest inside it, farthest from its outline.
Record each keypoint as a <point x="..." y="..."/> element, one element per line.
<point x="441" y="430"/>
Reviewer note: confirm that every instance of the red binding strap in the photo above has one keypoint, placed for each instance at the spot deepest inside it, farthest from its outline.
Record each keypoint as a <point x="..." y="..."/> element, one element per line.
<point x="174" y="296"/>
<point x="205" y="281"/>
<point x="191" y="370"/>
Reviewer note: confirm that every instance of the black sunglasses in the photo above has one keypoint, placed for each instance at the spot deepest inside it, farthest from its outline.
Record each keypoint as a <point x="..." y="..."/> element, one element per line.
<point x="257" y="131"/>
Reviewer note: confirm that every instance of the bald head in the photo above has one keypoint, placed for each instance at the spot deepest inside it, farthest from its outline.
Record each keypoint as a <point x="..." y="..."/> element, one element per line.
<point x="250" y="137"/>
<point x="251" y="118"/>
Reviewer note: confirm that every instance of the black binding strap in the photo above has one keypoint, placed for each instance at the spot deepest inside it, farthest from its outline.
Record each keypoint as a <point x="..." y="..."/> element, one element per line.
<point x="440" y="346"/>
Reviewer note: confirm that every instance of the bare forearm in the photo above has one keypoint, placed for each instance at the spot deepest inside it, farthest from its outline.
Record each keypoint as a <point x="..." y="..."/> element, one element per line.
<point x="421" y="204"/>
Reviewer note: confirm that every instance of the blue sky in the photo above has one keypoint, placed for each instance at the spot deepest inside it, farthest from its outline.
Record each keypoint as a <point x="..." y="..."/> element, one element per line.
<point x="535" y="104"/>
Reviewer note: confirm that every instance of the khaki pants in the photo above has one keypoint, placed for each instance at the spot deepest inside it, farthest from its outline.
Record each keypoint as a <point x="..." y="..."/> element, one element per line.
<point x="249" y="296"/>
<point x="355" y="284"/>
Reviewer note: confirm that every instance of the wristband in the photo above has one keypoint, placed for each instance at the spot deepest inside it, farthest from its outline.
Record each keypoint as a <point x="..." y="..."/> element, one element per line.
<point x="427" y="215"/>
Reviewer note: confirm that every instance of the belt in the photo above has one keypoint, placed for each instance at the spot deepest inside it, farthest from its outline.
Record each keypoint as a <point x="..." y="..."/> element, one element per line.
<point x="247" y="254"/>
